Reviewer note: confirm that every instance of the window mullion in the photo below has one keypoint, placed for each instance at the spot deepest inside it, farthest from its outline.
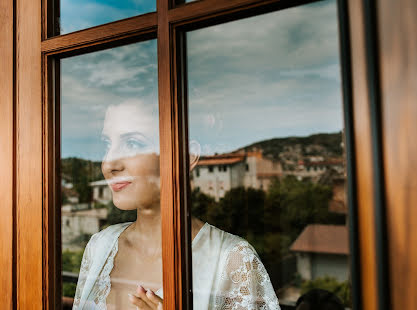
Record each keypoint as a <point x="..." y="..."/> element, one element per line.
<point x="174" y="228"/>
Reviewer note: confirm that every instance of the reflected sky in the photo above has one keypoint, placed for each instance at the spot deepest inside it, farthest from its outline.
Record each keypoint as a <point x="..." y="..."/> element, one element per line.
<point x="92" y="82"/>
<point x="276" y="75"/>
<point x="81" y="14"/>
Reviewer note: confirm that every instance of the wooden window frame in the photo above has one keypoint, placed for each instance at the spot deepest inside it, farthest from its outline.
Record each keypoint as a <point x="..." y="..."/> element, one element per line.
<point x="31" y="134"/>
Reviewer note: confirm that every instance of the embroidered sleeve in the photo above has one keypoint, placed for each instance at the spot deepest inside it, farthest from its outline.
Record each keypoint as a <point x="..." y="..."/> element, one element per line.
<point x="245" y="283"/>
<point x="85" y="267"/>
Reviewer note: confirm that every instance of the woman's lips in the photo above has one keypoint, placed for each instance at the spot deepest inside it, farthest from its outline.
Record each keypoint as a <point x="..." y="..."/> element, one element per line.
<point x="119" y="186"/>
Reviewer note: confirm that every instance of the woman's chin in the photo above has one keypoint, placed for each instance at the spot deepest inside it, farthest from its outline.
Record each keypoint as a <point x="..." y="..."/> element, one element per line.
<point x="125" y="204"/>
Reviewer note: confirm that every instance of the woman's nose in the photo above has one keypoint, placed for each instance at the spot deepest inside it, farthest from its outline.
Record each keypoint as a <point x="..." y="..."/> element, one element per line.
<point x="112" y="162"/>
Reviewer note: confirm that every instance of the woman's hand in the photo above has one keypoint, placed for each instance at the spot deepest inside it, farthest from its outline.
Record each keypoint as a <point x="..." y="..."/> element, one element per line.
<point x="145" y="300"/>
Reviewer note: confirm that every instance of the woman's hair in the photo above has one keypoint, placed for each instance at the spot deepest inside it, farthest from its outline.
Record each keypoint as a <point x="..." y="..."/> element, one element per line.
<point x="317" y="299"/>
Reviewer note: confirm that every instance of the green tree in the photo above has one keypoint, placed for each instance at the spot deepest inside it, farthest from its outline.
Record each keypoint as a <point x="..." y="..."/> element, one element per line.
<point x="80" y="173"/>
<point x="71" y="261"/>
<point x="270" y="221"/>
<point x="291" y="205"/>
<point x="200" y="204"/>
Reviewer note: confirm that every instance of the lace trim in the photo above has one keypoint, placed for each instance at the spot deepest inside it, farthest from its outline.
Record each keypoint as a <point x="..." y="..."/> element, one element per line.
<point x="245" y="282"/>
<point x="103" y="285"/>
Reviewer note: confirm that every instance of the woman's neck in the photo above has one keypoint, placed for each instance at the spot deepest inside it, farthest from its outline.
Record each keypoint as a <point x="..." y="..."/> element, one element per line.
<point x="147" y="227"/>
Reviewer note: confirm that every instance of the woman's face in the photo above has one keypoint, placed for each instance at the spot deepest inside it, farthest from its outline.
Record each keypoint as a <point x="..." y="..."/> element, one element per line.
<point x="131" y="163"/>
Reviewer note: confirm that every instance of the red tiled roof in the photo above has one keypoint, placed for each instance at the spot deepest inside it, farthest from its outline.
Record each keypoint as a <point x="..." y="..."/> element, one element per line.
<point x="220" y="160"/>
<point x="315" y="238"/>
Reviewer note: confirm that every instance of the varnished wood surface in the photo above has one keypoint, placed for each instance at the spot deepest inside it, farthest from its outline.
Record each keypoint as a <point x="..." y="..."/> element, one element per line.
<point x="146" y="24"/>
<point x="32" y="161"/>
<point x="52" y="185"/>
<point x="135" y="26"/>
<point x="170" y="186"/>
<point x="198" y="11"/>
<point x="50" y="18"/>
<point x="363" y="147"/>
<point x="29" y="155"/>
<point x="397" y="24"/>
<point x="7" y="281"/>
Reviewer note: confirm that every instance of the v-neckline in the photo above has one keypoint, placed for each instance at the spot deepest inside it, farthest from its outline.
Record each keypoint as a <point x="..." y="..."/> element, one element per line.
<point x="116" y="244"/>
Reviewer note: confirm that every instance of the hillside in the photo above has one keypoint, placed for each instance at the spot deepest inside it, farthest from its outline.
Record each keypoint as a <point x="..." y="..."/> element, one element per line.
<point x="322" y="144"/>
<point x="80" y="172"/>
<point x="289" y="151"/>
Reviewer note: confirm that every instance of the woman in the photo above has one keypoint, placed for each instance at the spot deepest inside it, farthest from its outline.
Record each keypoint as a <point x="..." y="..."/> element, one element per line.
<point x="122" y="265"/>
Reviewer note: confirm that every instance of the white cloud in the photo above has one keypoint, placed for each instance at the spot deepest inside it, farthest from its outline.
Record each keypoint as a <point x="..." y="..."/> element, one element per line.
<point x="263" y="77"/>
<point x="92" y="82"/>
<point x="254" y="79"/>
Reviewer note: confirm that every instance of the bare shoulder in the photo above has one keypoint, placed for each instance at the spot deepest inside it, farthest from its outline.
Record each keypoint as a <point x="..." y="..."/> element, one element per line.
<point x="196" y="225"/>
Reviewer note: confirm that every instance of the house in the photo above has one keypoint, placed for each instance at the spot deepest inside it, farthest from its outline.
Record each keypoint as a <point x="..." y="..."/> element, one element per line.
<point x="314" y="167"/>
<point x="101" y="192"/>
<point x="322" y="250"/>
<point x="217" y="174"/>
<point x="79" y="223"/>
<point x="70" y="195"/>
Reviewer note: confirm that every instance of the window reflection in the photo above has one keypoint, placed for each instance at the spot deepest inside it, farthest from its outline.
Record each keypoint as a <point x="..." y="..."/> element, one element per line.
<point x="265" y="106"/>
<point x="110" y="179"/>
<point x="81" y="14"/>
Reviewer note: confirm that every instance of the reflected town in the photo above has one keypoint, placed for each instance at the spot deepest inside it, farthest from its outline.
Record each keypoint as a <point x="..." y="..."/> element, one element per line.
<point x="286" y="196"/>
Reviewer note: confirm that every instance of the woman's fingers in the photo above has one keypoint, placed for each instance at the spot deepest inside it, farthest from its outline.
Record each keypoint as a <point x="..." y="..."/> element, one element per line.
<point x="145" y="300"/>
<point x="155" y="299"/>
<point x="141" y="292"/>
<point x="138" y="302"/>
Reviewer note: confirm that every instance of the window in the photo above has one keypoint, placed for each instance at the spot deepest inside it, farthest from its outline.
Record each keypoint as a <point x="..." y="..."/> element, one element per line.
<point x="110" y="138"/>
<point x="270" y="84"/>
<point x="85" y="72"/>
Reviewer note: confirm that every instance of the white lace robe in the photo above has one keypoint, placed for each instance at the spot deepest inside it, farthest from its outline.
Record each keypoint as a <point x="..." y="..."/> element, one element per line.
<point x="227" y="272"/>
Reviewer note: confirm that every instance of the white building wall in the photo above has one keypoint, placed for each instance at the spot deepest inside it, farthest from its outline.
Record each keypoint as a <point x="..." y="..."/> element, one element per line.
<point x="304" y="265"/>
<point x="76" y="223"/>
<point x="312" y="266"/>
<point x="336" y="266"/>
<point x="244" y="173"/>
<point x="215" y="183"/>
<point x="75" y="226"/>
<point x="106" y="195"/>
<point x="250" y="179"/>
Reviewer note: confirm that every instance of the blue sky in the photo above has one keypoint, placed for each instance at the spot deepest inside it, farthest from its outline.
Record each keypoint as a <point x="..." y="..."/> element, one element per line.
<point x="271" y="76"/>
<point x="81" y="14"/>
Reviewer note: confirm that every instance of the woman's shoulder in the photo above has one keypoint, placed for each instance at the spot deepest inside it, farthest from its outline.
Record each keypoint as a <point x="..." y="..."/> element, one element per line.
<point x="230" y="242"/>
<point x="107" y="234"/>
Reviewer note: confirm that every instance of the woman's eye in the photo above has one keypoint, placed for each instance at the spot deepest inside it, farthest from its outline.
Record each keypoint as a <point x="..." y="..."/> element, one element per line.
<point x="106" y="145"/>
<point x="135" y="145"/>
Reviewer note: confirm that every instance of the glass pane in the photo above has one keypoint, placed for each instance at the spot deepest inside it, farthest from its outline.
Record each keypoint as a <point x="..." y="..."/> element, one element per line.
<point x="268" y="162"/>
<point x="111" y="240"/>
<point x="81" y="14"/>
